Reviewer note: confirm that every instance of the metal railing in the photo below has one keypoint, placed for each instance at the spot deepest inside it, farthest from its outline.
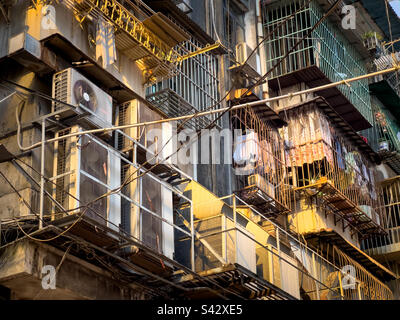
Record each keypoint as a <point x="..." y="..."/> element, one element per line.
<point x="260" y="163"/>
<point x="132" y="36"/>
<point x="387" y="60"/>
<point x="275" y="256"/>
<point x="390" y="243"/>
<point x="87" y="169"/>
<point x="387" y="127"/>
<point x="327" y="48"/>
<point x="195" y="84"/>
<point x="174" y="105"/>
<point x="317" y="163"/>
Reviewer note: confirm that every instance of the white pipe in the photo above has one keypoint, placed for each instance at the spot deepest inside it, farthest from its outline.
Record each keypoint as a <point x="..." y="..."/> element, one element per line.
<point x="221" y="110"/>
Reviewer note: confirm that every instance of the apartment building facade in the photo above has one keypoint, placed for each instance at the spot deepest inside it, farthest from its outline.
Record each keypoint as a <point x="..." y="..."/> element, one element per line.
<point x="94" y="203"/>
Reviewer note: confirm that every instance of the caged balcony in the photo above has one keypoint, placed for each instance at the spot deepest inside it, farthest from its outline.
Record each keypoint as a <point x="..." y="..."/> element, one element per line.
<point x="384" y="135"/>
<point x="139" y="33"/>
<point x="259" y="163"/>
<point x="173" y="105"/>
<point x="325" y="56"/>
<point x="193" y="88"/>
<point x="387" y="87"/>
<point x="324" y="164"/>
<point x="387" y="247"/>
<point x="271" y="263"/>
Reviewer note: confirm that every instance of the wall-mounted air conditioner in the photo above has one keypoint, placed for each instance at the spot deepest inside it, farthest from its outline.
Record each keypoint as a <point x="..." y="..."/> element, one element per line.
<point x="243" y="52"/>
<point x="261" y="183"/>
<point x="232" y="246"/>
<point x="71" y="87"/>
<point x="85" y="168"/>
<point x="279" y="268"/>
<point x="143" y="201"/>
<point x="156" y="142"/>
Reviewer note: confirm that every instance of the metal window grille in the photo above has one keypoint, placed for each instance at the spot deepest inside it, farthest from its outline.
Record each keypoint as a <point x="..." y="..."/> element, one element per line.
<point x="326" y="48"/>
<point x="196" y="82"/>
<point x="389" y="243"/>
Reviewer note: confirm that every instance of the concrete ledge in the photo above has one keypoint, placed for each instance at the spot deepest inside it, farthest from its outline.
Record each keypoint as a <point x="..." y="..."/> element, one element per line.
<point x="20" y="270"/>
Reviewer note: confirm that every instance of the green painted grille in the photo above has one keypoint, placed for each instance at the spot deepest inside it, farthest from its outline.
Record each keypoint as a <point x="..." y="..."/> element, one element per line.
<point x="326" y="48"/>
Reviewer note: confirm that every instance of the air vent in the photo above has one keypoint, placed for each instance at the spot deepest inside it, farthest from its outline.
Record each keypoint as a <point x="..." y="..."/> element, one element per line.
<point x="70" y="87"/>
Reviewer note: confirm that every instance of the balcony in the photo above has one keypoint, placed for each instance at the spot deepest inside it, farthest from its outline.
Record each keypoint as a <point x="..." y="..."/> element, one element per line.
<point x="387" y="87"/>
<point x="271" y="262"/>
<point x="142" y="35"/>
<point x="174" y="105"/>
<point x="261" y="175"/>
<point x="387" y="133"/>
<point x="194" y="87"/>
<point x="340" y="186"/>
<point x="387" y="248"/>
<point x="325" y="166"/>
<point x="325" y="56"/>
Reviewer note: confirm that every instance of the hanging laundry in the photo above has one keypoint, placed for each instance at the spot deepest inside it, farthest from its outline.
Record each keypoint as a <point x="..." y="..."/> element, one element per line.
<point x="246" y="151"/>
<point x="365" y="172"/>
<point x="267" y="158"/>
<point x="105" y="43"/>
<point x="339" y="155"/>
<point x="350" y="165"/>
<point x="309" y="133"/>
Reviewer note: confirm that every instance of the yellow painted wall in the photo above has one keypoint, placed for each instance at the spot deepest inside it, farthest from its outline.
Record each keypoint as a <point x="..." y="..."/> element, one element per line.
<point x="206" y="205"/>
<point x="308" y="219"/>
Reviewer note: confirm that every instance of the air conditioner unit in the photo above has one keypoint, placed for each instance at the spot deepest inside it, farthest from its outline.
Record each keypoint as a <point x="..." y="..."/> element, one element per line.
<point x="158" y="141"/>
<point x="85" y="168"/>
<point x="261" y="183"/>
<point x="71" y="87"/>
<point x="279" y="272"/>
<point x="219" y="247"/>
<point x="143" y="200"/>
<point x="243" y="52"/>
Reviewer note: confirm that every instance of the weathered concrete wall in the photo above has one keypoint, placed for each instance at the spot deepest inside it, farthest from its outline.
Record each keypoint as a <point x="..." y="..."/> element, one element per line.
<point x="199" y="12"/>
<point x="28" y="19"/>
<point x="292" y="101"/>
<point x="384" y="172"/>
<point x="21" y="271"/>
<point x="33" y="108"/>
